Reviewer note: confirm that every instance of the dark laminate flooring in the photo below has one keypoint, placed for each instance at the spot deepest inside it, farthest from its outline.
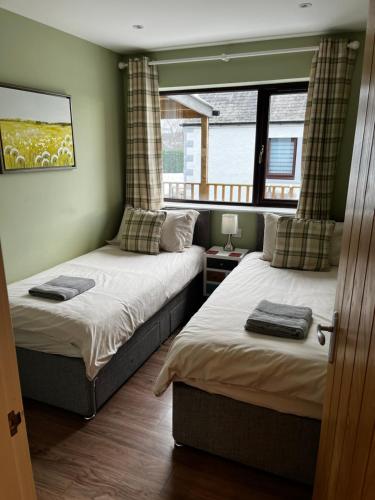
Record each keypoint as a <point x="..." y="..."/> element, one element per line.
<point x="127" y="452"/>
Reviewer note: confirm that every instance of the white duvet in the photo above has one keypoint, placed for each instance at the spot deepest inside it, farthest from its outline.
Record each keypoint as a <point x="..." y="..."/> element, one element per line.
<point x="129" y="289"/>
<point x="216" y="354"/>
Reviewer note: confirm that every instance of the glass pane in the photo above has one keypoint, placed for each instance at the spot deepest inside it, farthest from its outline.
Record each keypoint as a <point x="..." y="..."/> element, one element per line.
<point x="231" y="145"/>
<point x="284" y="146"/>
<point x="181" y="142"/>
<point x="209" y="145"/>
<point x="281" y="157"/>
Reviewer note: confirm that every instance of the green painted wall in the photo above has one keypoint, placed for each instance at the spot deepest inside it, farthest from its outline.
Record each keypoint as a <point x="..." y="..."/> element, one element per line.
<point x="263" y="69"/>
<point x="48" y="217"/>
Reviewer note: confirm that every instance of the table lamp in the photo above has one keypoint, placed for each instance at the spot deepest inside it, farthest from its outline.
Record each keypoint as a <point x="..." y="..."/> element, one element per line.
<point x="229" y="226"/>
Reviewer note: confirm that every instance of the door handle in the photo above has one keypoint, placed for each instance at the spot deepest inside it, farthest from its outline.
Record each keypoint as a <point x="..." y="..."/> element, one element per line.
<point x="321" y="336"/>
<point x="332" y="329"/>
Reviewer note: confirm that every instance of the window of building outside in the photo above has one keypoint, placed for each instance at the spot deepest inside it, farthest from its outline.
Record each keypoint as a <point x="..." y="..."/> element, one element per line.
<point x="281" y="157"/>
<point x="240" y="146"/>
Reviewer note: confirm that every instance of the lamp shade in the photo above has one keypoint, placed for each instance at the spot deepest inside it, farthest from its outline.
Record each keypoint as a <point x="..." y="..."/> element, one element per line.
<point x="229" y="224"/>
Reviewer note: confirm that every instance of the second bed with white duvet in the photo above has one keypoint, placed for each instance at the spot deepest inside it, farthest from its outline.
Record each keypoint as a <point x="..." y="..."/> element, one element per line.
<point x="216" y="354"/>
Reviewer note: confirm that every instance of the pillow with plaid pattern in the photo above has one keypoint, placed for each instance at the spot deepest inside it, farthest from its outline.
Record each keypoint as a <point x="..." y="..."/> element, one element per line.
<point x="142" y="230"/>
<point x="303" y="244"/>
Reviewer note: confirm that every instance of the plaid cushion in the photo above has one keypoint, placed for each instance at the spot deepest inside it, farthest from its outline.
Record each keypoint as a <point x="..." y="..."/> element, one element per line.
<point x="142" y="230"/>
<point x="303" y="244"/>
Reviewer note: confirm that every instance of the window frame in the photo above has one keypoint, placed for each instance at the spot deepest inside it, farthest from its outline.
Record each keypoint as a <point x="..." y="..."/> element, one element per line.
<point x="265" y="91"/>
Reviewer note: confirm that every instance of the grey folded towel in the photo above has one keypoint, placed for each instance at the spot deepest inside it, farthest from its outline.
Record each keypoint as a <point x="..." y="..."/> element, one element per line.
<point x="280" y="320"/>
<point x="62" y="288"/>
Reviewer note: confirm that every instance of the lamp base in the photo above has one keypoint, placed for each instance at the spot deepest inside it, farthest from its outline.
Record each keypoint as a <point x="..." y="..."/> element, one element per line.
<point x="229" y="247"/>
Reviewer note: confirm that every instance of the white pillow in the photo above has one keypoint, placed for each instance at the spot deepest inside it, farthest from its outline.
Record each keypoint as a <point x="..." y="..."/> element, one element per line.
<point x="175" y="230"/>
<point x="336" y="238"/>
<point x="192" y="219"/>
<point x="269" y="235"/>
<point x="190" y="234"/>
<point x="269" y="239"/>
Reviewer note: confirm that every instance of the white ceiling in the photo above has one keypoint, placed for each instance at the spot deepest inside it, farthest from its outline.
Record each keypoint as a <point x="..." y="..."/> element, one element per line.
<point x="174" y="23"/>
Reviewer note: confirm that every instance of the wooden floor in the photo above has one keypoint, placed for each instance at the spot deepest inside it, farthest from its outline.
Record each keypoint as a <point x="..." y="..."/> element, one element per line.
<point x="127" y="452"/>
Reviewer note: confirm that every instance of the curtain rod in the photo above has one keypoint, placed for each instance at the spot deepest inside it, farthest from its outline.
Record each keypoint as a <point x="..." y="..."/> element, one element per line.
<point x="227" y="57"/>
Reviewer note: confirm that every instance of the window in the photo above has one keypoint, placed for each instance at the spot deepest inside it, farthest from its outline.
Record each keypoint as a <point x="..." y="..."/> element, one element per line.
<point x="281" y="158"/>
<point x="240" y="146"/>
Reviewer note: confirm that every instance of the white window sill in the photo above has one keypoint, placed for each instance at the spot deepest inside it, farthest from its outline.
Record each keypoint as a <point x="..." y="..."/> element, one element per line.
<point x="231" y="208"/>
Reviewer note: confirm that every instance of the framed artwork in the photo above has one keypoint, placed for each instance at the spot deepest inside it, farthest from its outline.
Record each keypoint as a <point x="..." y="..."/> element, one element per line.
<point x="36" y="131"/>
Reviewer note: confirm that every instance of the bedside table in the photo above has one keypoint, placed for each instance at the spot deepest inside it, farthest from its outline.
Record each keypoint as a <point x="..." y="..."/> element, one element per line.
<point x="218" y="264"/>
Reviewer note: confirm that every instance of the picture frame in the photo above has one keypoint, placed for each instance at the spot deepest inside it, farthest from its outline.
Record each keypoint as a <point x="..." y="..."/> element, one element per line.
<point x="36" y="130"/>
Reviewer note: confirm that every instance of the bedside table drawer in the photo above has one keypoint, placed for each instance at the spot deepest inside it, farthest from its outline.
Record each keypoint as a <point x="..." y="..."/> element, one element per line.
<point x="227" y="265"/>
<point x="215" y="276"/>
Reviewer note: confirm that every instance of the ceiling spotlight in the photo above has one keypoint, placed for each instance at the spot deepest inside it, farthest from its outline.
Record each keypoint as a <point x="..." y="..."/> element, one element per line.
<point x="305" y="5"/>
<point x="138" y="26"/>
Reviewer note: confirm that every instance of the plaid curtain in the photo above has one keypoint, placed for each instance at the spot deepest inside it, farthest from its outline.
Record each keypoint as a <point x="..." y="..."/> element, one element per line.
<point x="328" y="94"/>
<point x="144" y="167"/>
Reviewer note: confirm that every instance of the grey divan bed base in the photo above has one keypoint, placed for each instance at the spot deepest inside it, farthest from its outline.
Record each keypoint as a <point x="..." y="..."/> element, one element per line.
<point x="61" y="380"/>
<point x="275" y="442"/>
<point x="283" y="444"/>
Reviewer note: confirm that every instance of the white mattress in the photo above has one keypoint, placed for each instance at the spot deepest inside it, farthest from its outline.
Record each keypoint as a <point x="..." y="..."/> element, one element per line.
<point x="216" y="354"/>
<point x="129" y="289"/>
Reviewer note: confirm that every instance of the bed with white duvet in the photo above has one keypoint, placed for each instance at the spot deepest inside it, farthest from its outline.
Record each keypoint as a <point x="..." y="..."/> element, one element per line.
<point x="129" y="289"/>
<point x="215" y="353"/>
<point x="253" y="398"/>
<point x="76" y="354"/>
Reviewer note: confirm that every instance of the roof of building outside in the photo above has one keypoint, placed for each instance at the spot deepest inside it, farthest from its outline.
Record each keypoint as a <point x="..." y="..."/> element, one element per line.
<point x="240" y="107"/>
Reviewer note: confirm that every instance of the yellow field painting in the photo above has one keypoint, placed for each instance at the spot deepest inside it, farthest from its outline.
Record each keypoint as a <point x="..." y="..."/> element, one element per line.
<point x="32" y="144"/>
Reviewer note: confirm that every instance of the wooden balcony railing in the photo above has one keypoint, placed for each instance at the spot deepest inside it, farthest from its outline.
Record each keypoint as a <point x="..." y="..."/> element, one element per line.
<point x="235" y="193"/>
